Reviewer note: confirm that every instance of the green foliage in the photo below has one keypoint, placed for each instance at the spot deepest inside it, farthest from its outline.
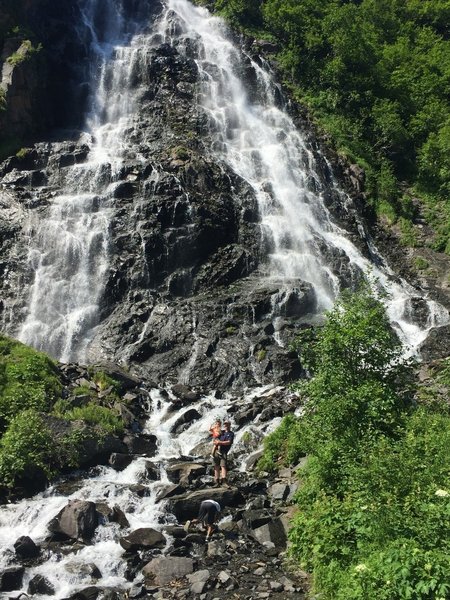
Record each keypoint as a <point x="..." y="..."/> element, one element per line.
<point x="29" y="380"/>
<point x="261" y="355"/>
<point x="29" y="388"/>
<point x="241" y="12"/>
<point x="283" y="444"/>
<point x="374" y="499"/>
<point x="421" y="263"/>
<point x="23" y="153"/>
<point x="25" y="52"/>
<point x="27" y="444"/>
<point x="96" y="415"/>
<point x="375" y="75"/>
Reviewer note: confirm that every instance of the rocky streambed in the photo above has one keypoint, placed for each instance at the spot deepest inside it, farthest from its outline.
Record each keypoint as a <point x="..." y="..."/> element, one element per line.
<point x="116" y="530"/>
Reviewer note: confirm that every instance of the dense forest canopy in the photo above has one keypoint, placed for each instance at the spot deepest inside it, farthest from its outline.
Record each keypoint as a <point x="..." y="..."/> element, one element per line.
<point x="375" y="75"/>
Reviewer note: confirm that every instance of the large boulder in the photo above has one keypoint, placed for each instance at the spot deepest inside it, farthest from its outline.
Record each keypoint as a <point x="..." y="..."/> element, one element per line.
<point x="11" y="579"/>
<point x="186" y="506"/>
<point x="143" y="539"/>
<point x="77" y="520"/>
<point x="26" y="548"/>
<point x="185" y="472"/>
<point x="163" y="569"/>
<point x="272" y="532"/>
<point x="40" y="585"/>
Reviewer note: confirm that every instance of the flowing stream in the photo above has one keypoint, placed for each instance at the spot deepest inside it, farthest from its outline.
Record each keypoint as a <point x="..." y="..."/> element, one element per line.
<point x="65" y="570"/>
<point x="69" y="249"/>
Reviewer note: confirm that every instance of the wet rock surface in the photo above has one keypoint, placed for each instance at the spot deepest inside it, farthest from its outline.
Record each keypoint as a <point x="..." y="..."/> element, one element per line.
<point x="246" y="555"/>
<point x="187" y="298"/>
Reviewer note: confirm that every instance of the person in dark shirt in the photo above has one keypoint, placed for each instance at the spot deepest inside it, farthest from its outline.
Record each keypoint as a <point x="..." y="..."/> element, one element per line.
<point x="220" y="458"/>
<point x="207" y="515"/>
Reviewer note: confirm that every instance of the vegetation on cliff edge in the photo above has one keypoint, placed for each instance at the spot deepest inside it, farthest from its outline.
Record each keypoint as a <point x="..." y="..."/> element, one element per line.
<point x="30" y="398"/>
<point x="375" y="75"/>
<point x="373" y="516"/>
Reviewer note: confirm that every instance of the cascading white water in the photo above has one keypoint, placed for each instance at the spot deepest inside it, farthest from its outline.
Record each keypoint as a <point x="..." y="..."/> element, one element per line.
<point x="69" y="254"/>
<point x="31" y="517"/>
<point x="260" y="142"/>
<point x="69" y="248"/>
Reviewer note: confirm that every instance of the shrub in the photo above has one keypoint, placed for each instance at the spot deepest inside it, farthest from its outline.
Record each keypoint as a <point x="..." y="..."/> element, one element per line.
<point x="373" y="516"/>
<point x="26" y="445"/>
<point x="96" y="415"/>
<point x="29" y="380"/>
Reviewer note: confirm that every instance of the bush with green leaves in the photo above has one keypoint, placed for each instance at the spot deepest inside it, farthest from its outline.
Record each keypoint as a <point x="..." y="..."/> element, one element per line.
<point x="26" y="445"/>
<point x="373" y="516"/>
<point x="28" y="380"/>
<point x="94" y="414"/>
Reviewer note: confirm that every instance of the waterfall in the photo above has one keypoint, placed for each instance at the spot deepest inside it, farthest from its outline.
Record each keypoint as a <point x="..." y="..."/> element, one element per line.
<point x="259" y="141"/>
<point x="69" y="248"/>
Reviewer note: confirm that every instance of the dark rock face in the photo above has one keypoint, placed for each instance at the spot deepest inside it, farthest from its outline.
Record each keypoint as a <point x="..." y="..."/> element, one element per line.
<point x="184" y="300"/>
<point x="186" y="297"/>
<point x="76" y="520"/>
<point x="26" y="548"/>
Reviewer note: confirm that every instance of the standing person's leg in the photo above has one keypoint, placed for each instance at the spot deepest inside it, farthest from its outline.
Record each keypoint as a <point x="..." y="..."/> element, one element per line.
<point x="216" y="462"/>
<point x="224" y="469"/>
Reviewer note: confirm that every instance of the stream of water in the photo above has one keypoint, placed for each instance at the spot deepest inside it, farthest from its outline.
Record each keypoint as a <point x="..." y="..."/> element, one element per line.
<point x="69" y="249"/>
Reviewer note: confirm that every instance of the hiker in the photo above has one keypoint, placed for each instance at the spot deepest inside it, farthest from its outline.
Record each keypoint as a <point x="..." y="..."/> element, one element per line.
<point x="215" y="430"/>
<point x="220" y="458"/>
<point x="207" y="515"/>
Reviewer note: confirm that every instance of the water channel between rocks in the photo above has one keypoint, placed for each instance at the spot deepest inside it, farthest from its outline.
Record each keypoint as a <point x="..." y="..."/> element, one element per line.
<point x="64" y="563"/>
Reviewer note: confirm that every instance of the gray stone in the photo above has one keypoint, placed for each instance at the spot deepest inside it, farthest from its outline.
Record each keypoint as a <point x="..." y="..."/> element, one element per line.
<point x="40" y="585"/>
<point x="185" y="472"/>
<point x="198" y="587"/>
<point x="224" y="577"/>
<point x="202" y="575"/>
<point x="271" y="532"/>
<point x="142" y="539"/>
<point x="163" y="569"/>
<point x="168" y="491"/>
<point x="279" y="491"/>
<point x="77" y="520"/>
<point x="216" y="548"/>
<point x="276" y="586"/>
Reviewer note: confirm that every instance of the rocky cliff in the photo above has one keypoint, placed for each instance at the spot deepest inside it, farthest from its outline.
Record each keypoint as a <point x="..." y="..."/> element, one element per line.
<point x="187" y="296"/>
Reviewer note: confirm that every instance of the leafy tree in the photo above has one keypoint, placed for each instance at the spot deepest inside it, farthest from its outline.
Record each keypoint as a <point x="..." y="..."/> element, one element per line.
<point x="373" y="516"/>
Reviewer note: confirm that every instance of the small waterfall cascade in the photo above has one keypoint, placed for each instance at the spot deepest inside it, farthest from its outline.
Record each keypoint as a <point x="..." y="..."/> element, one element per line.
<point x="31" y="516"/>
<point x="259" y="141"/>
<point x="69" y="248"/>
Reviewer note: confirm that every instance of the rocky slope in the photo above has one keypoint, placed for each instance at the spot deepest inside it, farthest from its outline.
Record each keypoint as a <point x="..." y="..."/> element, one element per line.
<point x="246" y="557"/>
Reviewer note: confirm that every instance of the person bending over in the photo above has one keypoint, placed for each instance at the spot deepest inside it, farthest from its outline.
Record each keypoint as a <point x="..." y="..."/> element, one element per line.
<point x="207" y="515"/>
